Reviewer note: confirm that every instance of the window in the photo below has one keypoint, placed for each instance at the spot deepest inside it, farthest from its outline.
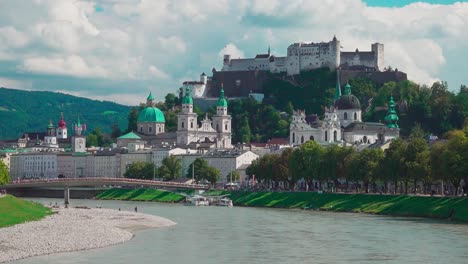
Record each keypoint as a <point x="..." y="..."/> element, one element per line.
<point x="141" y="129"/>
<point x="159" y="129"/>
<point x="335" y="136"/>
<point x="191" y="124"/>
<point x="182" y="124"/>
<point x="294" y="137"/>
<point x="150" y="129"/>
<point x="326" y="135"/>
<point x="345" y="117"/>
<point x="302" y="139"/>
<point x="217" y="127"/>
<point x="311" y="138"/>
<point x="355" y="116"/>
<point x="225" y="126"/>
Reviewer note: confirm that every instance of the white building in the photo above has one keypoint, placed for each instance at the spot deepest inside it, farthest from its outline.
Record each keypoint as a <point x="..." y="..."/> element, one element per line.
<point x="225" y="161"/>
<point x="343" y="124"/>
<point x="216" y="132"/>
<point x="306" y="56"/>
<point x="33" y="166"/>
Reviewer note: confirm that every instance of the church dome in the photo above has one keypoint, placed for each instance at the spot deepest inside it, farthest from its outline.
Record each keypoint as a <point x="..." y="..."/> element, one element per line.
<point x="151" y="114"/>
<point x="61" y="123"/>
<point x="348" y="101"/>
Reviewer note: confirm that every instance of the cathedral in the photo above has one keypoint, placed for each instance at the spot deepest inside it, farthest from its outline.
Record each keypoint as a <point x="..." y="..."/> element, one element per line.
<point x="343" y="124"/>
<point x="210" y="133"/>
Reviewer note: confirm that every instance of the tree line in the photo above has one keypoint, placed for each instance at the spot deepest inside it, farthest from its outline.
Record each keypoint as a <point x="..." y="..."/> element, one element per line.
<point x="407" y="166"/>
<point x="171" y="169"/>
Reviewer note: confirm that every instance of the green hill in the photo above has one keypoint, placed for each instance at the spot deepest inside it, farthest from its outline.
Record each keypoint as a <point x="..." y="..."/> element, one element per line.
<point x="30" y="111"/>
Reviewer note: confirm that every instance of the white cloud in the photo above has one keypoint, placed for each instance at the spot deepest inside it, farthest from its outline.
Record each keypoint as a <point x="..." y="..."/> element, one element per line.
<point x="232" y="50"/>
<point x="157" y="72"/>
<point x="72" y="65"/>
<point x="161" y="42"/>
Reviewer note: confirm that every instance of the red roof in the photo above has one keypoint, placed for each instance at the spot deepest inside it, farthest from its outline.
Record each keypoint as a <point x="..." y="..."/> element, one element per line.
<point x="278" y="141"/>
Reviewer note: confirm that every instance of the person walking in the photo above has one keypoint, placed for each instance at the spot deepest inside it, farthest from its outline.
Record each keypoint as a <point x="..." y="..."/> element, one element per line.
<point x="136" y="209"/>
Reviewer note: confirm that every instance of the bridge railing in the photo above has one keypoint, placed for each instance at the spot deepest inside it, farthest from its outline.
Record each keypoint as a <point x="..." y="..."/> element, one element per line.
<point x="111" y="180"/>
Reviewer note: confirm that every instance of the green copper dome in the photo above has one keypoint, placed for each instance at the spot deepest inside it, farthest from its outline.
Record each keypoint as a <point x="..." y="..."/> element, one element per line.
<point x="347" y="89"/>
<point x="222" y="101"/>
<point x="391" y="118"/>
<point x="187" y="97"/>
<point x="151" y="114"/>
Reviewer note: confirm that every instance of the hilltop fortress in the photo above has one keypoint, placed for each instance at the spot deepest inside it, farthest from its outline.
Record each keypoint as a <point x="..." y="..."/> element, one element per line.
<point x="307" y="56"/>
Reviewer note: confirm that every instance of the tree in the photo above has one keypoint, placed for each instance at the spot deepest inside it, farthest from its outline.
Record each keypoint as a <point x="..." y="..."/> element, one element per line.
<point x="132" y="120"/>
<point x="140" y="170"/>
<point x="211" y="174"/>
<point x="244" y="133"/>
<point x="116" y="131"/>
<point x="457" y="157"/>
<point x="393" y="165"/>
<point x="289" y="108"/>
<point x="171" y="168"/>
<point x="4" y="175"/>
<point x="364" y="166"/>
<point x="171" y="100"/>
<point x="417" y="161"/>
<point x="91" y="140"/>
<point x="233" y="176"/>
<point x="199" y="165"/>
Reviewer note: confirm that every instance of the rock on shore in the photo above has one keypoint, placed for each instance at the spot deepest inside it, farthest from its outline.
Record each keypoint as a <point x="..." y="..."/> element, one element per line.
<point x="71" y="229"/>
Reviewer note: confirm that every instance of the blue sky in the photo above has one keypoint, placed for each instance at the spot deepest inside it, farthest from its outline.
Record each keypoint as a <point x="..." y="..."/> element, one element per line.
<point x="119" y="50"/>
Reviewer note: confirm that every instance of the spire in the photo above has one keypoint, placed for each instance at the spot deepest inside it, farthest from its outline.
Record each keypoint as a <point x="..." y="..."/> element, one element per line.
<point x="187" y="97"/>
<point x="268" y="50"/>
<point x="150" y="97"/>
<point x="347" y="89"/>
<point x="338" y="85"/>
<point x="150" y="100"/>
<point x="222" y="100"/>
<point x="50" y="124"/>
<point x="391" y="118"/>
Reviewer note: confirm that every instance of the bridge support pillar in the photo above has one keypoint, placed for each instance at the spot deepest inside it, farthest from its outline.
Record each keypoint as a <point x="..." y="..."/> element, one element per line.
<point x="66" y="196"/>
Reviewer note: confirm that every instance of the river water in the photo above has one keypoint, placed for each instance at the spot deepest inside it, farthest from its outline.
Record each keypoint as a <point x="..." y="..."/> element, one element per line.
<point x="209" y="235"/>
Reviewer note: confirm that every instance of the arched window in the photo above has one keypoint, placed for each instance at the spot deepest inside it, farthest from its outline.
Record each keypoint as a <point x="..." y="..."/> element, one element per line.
<point x="311" y="138"/>
<point x="326" y="135"/>
<point x="345" y="116"/>
<point x="365" y="139"/>
<point x="294" y="137"/>
<point x="182" y="124"/>
<point x="150" y="129"/>
<point x="335" y="136"/>
<point x="302" y="139"/>
<point x="141" y="129"/>
<point x="355" y="116"/>
<point x="217" y="127"/>
<point x="225" y="126"/>
<point x="159" y="129"/>
<point x="191" y="124"/>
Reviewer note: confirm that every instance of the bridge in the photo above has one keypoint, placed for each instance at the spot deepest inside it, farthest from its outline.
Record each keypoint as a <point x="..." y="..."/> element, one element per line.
<point x="66" y="183"/>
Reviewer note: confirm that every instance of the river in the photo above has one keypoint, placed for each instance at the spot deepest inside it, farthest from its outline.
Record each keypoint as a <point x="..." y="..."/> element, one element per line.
<point x="214" y="235"/>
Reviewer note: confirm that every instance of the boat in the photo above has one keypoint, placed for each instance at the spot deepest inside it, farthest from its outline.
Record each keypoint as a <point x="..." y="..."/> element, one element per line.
<point x="197" y="200"/>
<point x="226" y="202"/>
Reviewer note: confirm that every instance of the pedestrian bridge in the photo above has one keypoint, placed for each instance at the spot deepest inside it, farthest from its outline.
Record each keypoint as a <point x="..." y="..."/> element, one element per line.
<point x="96" y="182"/>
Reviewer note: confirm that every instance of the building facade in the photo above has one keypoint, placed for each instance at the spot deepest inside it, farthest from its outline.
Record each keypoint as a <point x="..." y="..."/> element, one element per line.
<point x="306" y="56"/>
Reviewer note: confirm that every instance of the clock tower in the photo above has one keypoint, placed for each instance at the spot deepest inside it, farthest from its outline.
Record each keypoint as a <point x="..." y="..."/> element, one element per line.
<point x="79" y="140"/>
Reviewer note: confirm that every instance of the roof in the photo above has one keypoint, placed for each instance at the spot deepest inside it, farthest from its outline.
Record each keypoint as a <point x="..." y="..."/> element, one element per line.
<point x="130" y="135"/>
<point x="363" y="55"/>
<point x="262" y="56"/>
<point x="348" y="101"/>
<point x="187" y="97"/>
<point x="151" y="114"/>
<point x="278" y="141"/>
<point x="222" y="102"/>
<point x="369" y="126"/>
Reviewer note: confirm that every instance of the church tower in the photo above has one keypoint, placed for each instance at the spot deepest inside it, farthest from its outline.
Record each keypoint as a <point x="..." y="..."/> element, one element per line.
<point x="50" y="138"/>
<point x="62" y="128"/>
<point x="391" y="118"/>
<point x="78" y="140"/>
<point x="222" y="122"/>
<point x="186" y="121"/>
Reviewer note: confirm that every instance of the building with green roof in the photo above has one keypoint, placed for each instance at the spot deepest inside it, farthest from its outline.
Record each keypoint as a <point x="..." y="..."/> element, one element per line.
<point x="150" y="120"/>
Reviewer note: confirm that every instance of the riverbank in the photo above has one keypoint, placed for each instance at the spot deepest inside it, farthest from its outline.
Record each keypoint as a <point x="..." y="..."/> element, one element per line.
<point x="15" y="211"/>
<point x="73" y="229"/>
<point x="454" y="208"/>
<point x="146" y="195"/>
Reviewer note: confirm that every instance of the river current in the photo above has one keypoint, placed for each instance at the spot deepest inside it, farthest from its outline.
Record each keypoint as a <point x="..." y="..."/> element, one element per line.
<point x="209" y="235"/>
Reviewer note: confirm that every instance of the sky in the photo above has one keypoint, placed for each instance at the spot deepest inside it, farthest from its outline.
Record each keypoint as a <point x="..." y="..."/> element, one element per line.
<point x="119" y="50"/>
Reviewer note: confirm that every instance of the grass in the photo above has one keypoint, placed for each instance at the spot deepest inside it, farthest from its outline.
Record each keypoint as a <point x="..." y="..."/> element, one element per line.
<point x="15" y="211"/>
<point x="152" y="195"/>
<point x="397" y="205"/>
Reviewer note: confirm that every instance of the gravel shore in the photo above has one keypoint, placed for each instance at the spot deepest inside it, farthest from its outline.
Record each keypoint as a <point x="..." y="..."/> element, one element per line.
<point x="72" y="229"/>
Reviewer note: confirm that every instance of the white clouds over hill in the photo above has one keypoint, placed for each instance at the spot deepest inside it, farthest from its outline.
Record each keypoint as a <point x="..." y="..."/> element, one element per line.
<point x="127" y="46"/>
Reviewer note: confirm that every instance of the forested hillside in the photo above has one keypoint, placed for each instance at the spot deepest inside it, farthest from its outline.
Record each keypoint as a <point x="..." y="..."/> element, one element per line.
<point x="30" y="111"/>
